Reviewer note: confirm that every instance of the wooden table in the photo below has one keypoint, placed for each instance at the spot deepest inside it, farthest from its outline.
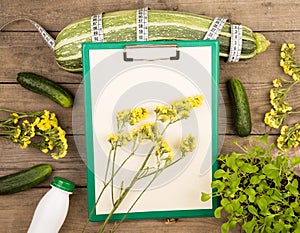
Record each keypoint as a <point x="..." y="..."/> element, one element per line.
<point x="22" y="49"/>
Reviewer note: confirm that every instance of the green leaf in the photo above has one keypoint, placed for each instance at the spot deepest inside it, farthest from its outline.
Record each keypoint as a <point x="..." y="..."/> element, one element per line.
<point x="255" y="180"/>
<point x="229" y="208"/>
<point x="231" y="162"/>
<point x="249" y="168"/>
<point x="278" y="226"/>
<point x="251" y="194"/>
<point x="236" y="204"/>
<point x="276" y="195"/>
<point x="253" y="210"/>
<point x="297" y="229"/>
<point x="219" y="185"/>
<point x="269" y="220"/>
<point x="295" y="161"/>
<point x="249" y="226"/>
<point x="205" y="197"/>
<point x="225" y="227"/>
<point x="271" y="171"/>
<point x="293" y="188"/>
<point x="243" y="198"/>
<point x="262" y="204"/>
<point x="220" y="173"/>
<point x="218" y="211"/>
<point x="264" y="139"/>
<point x="225" y="202"/>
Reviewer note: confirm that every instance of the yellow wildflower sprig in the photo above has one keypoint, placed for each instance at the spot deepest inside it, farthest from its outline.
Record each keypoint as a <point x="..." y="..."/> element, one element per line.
<point x="278" y="94"/>
<point x="133" y="129"/>
<point x="289" y="137"/>
<point x="39" y="130"/>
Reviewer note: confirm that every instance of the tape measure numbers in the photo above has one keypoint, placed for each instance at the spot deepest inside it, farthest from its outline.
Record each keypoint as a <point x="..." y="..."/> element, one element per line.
<point x="215" y="29"/>
<point x="142" y="24"/>
<point x="236" y="43"/>
<point x="97" y="28"/>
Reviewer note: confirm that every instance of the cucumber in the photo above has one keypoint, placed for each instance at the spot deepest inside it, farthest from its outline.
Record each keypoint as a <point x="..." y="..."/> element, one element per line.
<point x="240" y="105"/>
<point x="24" y="179"/>
<point x="45" y="87"/>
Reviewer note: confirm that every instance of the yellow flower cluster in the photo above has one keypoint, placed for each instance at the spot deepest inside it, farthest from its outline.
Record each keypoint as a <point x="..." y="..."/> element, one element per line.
<point x="131" y="117"/>
<point x="39" y="130"/>
<point x="119" y="139"/>
<point x="289" y="137"/>
<point x="188" y="144"/>
<point x="288" y="61"/>
<point x="277" y="96"/>
<point x="177" y="110"/>
<point x="162" y="146"/>
<point x="148" y="131"/>
<point x="151" y="131"/>
<point x="274" y="119"/>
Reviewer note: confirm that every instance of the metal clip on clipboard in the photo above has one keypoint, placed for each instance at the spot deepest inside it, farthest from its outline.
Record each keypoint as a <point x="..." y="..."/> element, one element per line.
<point x="151" y="52"/>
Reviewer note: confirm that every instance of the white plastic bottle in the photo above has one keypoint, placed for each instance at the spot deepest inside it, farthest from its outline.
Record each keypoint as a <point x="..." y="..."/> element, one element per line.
<point x="52" y="209"/>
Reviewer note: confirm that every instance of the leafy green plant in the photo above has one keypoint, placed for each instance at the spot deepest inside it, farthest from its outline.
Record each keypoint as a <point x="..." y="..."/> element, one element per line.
<point x="258" y="189"/>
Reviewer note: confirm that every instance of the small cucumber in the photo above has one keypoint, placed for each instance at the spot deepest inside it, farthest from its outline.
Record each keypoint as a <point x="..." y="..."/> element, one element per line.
<point x="240" y="105"/>
<point x="45" y="87"/>
<point x="24" y="179"/>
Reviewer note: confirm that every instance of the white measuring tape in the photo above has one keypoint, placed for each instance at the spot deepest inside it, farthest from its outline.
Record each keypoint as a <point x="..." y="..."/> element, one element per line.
<point x="236" y="37"/>
<point x="142" y="24"/>
<point x="215" y="29"/>
<point x="236" y="43"/>
<point x="97" y="28"/>
<point x="45" y="35"/>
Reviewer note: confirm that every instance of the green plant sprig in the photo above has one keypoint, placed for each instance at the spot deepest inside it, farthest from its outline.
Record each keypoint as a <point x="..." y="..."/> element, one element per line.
<point x="258" y="189"/>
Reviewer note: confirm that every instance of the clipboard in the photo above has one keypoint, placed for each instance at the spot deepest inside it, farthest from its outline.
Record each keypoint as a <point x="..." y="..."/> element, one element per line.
<point x="124" y="75"/>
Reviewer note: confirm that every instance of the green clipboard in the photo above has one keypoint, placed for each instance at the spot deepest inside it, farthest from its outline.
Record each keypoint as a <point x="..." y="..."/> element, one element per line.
<point x="123" y="75"/>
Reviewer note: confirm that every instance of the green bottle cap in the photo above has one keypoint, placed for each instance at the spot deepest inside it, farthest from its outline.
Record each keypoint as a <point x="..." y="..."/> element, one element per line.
<point x="63" y="184"/>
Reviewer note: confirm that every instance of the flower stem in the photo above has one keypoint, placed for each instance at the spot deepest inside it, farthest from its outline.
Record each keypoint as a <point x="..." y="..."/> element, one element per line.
<point x="144" y="190"/>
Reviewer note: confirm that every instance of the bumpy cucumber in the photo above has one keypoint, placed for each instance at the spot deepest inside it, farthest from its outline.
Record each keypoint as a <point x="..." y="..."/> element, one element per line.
<point x="24" y="179"/>
<point x="45" y="87"/>
<point x="241" y="108"/>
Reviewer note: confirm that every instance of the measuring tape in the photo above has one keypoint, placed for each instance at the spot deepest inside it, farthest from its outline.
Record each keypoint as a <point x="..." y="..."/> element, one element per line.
<point x="235" y="43"/>
<point x="142" y="24"/>
<point x="97" y="28"/>
<point x="215" y="29"/>
<point x="45" y="35"/>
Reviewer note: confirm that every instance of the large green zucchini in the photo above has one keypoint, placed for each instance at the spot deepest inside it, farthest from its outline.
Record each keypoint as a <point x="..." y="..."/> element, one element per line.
<point x="162" y="25"/>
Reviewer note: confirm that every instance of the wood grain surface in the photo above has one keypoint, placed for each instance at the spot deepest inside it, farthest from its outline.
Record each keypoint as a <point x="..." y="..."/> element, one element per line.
<point x="22" y="49"/>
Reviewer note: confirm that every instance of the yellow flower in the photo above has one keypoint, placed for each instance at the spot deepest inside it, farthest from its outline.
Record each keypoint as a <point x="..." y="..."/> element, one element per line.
<point x="170" y="156"/>
<point x="291" y="46"/>
<point x="45" y="150"/>
<point x="112" y="138"/>
<point x="50" y="145"/>
<point x="165" y="113"/>
<point x="137" y="115"/>
<point x="282" y="55"/>
<point x="284" y="46"/>
<point x="15" y="117"/>
<point x="61" y="133"/>
<point x="296" y="76"/>
<point x="276" y="83"/>
<point x="53" y="120"/>
<point x="196" y="101"/>
<point x="148" y="130"/>
<point x="188" y="144"/>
